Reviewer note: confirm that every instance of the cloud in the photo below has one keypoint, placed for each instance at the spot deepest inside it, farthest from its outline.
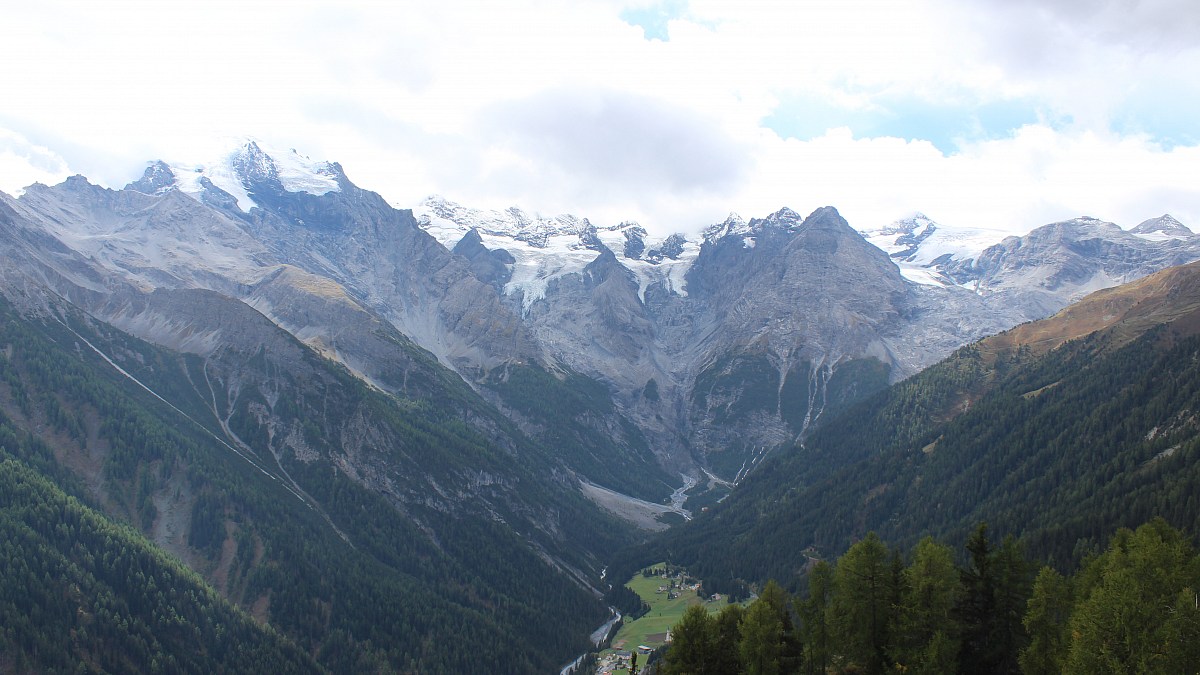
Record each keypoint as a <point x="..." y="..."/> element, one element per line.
<point x="654" y="19"/>
<point x="609" y="154"/>
<point x="1147" y="26"/>
<point x="1035" y="176"/>
<point x="23" y="163"/>
<point x="1091" y="62"/>
<point x="984" y="112"/>
<point x="626" y="142"/>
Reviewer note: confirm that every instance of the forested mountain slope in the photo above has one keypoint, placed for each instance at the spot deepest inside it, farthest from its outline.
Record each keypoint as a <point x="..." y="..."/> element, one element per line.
<point x="82" y="594"/>
<point x="1059" y="431"/>
<point x="374" y="532"/>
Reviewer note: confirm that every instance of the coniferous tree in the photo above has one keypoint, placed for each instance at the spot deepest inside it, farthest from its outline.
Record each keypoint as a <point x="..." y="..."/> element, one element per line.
<point x="762" y="640"/>
<point x="1012" y="587"/>
<point x="693" y="644"/>
<point x="1049" y="608"/>
<point x="727" y="637"/>
<point x="1132" y="610"/>
<point x="861" y="612"/>
<point x="977" y="609"/>
<point x="926" y="633"/>
<point x="814" y="624"/>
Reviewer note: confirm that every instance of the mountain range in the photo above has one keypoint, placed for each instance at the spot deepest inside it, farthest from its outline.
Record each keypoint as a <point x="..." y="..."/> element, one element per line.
<point x="410" y="388"/>
<point x="704" y="351"/>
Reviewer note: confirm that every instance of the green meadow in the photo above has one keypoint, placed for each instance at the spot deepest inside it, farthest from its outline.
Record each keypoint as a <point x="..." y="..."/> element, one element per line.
<point x="651" y="628"/>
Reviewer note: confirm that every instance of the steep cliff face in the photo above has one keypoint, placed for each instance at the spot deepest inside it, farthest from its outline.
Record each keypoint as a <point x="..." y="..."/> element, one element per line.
<point x="812" y="317"/>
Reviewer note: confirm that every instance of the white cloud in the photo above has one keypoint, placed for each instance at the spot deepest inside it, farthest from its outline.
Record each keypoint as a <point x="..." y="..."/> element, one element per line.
<point x="560" y="106"/>
<point x="23" y="163"/>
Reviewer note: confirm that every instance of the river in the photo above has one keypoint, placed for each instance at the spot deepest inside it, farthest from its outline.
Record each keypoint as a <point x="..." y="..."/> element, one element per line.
<point x="598" y="637"/>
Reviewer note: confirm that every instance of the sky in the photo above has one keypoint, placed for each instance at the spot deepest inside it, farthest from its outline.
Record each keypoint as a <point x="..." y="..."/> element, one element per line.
<point x="1004" y="114"/>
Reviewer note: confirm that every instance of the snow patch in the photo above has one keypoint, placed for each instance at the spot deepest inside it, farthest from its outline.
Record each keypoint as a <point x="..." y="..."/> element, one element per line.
<point x="548" y="248"/>
<point x="298" y="173"/>
<point x="219" y="172"/>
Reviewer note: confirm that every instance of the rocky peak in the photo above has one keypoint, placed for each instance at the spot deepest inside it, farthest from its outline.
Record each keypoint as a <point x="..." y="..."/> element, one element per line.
<point x="448" y="221"/>
<point x="255" y="167"/>
<point x="909" y="233"/>
<point x="784" y="218"/>
<point x="671" y="248"/>
<point x="1164" y="226"/>
<point x="731" y="226"/>
<point x="78" y="183"/>
<point x="635" y="240"/>
<point x="157" y="179"/>
<point x="911" y="226"/>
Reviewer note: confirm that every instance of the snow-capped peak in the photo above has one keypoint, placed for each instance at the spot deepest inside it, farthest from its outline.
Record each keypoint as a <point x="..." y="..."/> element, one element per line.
<point x="237" y="171"/>
<point x="1162" y="228"/>
<point x="733" y="225"/>
<point x="298" y="173"/>
<point x="546" y="248"/>
<point x="448" y="222"/>
<point x="915" y="225"/>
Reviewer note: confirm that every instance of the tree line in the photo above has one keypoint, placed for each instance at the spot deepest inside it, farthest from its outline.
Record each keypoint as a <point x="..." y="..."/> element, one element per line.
<point x="1133" y="608"/>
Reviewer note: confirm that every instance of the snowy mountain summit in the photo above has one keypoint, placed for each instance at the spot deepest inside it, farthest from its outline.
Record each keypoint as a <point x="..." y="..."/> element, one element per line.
<point x="1162" y="228"/>
<point x="241" y="172"/>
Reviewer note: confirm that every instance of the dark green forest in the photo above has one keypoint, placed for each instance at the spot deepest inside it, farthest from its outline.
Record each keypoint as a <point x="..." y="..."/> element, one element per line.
<point x="1132" y="608"/>
<point x="82" y="594"/>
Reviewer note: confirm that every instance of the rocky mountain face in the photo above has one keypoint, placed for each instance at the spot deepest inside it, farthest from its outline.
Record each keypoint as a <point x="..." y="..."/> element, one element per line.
<point x="724" y="346"/>
<point x="675" y="353"/>
<point x="1039" y="273"/>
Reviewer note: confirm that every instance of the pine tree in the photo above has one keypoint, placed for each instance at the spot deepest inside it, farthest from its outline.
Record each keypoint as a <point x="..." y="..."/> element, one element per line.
<point x="692" y="644"/>
<point x="1046" y="621"/>
<point x="925" y="639"/>
<point x="1132" y="612"/>
<point x="814" y="625"/>
<point x="762" y="640"/>
<point x="860" y="614"/>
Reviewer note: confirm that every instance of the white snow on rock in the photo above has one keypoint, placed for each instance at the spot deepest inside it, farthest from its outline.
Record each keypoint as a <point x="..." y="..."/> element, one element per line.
<point x="732" y="225"/>
<point x="547" y="248"/>
<point x="1163" y="228"/>
<point x="296" y="172"/>
<point x="219" y="172"/>
<point x="917" y="244"/>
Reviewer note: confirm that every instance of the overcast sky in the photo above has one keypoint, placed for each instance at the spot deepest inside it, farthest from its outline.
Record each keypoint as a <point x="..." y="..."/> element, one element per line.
<point x="989" y="113"/>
